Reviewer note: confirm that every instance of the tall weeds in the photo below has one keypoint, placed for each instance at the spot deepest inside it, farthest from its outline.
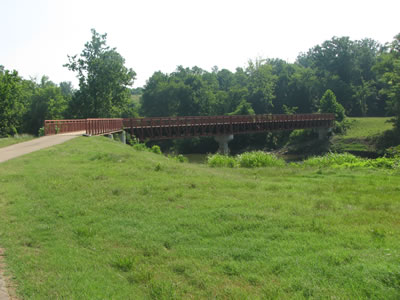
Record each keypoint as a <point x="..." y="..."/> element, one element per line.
<point x="253" y="159"/>
<point x="259" y="159"/>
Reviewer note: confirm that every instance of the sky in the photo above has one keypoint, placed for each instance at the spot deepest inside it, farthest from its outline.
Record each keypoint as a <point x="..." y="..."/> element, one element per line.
<point x="36" y="36"/>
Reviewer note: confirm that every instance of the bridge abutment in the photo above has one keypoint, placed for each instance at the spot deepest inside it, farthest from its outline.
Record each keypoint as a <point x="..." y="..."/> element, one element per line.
<point x="223" y="141"/>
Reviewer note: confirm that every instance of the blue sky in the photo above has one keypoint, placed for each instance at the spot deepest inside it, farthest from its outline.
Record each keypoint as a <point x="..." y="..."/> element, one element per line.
<point x="37" y="35"/>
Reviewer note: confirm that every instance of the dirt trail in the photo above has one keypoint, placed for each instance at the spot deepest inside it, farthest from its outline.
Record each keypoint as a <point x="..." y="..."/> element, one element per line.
<point x="17" y="150"/>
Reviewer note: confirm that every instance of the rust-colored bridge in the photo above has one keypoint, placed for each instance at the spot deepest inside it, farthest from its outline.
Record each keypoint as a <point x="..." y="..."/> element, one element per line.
<point x="159" y="128"/>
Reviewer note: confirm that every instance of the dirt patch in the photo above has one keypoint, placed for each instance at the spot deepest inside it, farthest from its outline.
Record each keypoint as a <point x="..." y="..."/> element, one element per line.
<point x="7" y="289"/>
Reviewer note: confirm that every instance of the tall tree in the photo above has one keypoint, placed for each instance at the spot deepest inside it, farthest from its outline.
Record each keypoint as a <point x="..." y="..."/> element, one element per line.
<point x="389" y="69"/>
<point x="345" y="67"/>
<point x="11" y="108"/>
<point x="47" y="103"/>
<point x="261" y="86"/>
<point x="103" y="80"/>
<point x="329" y="104"/>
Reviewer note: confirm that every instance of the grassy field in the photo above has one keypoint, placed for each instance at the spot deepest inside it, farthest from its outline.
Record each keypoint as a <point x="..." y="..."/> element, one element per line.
<point x="95" y="219"/>
<point x="359" y="136"/>
<point x="4" y="142"/>
<point x="365" y="127"/>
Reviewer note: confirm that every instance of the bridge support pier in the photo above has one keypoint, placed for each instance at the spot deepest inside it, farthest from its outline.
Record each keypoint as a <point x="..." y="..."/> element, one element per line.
<point x="110" y="136"/>
<point x="223" y="141"/>
<point x="122" y="137"/>
<point x="323" y="133"/>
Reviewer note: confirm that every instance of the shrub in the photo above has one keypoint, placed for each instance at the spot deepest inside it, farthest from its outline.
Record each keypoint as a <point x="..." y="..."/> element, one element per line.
<point x="393" y="152"/>
<point x="41" y="131"/>
<point x="257" y="159"/>
<point x="219" y="160"/>
<point x="156" y="149"/>
<point x="253" y="159"/>
<point x="140" y="147"/>
<point x="180" y="158"/>
<point x="384" y="162"/>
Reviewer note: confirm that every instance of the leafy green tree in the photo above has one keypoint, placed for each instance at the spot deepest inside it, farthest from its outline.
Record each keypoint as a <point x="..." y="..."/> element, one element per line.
<point x="47" y="103"/>
<point x="185" y="92"/>
<point x="67" y="89"/>
<point x="303" y="89"/>
<point x="329" y="104"/>
<point x="364" y="97"/>
<point x="161" y="96"/>
<point x="389" y="69"/>
<point x="103" y="80"/>
<point x="244" y="108"/>
<point x="345" y="67"/>
<point x="11" y="107"/>
<point x="261" y="86"/>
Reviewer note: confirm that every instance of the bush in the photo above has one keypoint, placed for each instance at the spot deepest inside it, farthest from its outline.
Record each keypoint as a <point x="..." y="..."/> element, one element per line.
<point x="180" y="158"/>
<point x="41" y="131"/>
<point x="156" y="149"/>
<point x="393" y="152"/>
<point x="258" y="159"/>
<point x="253" y="159"/>
<point x="140" y="147"/>
<point x="219" y="160"/>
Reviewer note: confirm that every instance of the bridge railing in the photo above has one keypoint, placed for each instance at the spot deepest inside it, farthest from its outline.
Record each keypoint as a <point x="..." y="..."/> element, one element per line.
<point x="207" y="120"/>
<point x="90" y="126"/>
<point x="103" y="126"/>
<point x="63" y="126"/>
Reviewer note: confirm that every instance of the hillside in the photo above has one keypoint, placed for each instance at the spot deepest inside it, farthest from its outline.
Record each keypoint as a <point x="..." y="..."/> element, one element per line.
<point x="360" y="138"/>
<point x="94" y="219"/>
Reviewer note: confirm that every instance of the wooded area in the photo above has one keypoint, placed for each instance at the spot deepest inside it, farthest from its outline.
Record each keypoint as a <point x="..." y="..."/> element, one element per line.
<point x="363" y="76"/>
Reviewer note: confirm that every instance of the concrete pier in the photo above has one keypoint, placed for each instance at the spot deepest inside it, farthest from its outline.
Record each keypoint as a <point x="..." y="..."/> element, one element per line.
<point x="122" y="137"/>
<point x="223" y="141"/>
<point x="323" y="133"/>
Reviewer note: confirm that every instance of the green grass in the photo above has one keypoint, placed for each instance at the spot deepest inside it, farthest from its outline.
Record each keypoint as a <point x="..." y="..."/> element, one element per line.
<point x="95" y="219"/>
<point x="4" y="142"/>
<point x="367" y="127"/>
<point x="359" y="137"/>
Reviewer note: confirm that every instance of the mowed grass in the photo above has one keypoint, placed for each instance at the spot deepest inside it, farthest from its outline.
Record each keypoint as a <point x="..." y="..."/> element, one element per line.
<point x="367" y="127"/>
<point x="95" y="219"/>
<point x="4" y="142"/>
<point x="360" y="136"/>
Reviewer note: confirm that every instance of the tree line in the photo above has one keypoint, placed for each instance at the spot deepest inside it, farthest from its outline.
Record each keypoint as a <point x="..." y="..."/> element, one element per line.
<point x="362" y="75"/>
